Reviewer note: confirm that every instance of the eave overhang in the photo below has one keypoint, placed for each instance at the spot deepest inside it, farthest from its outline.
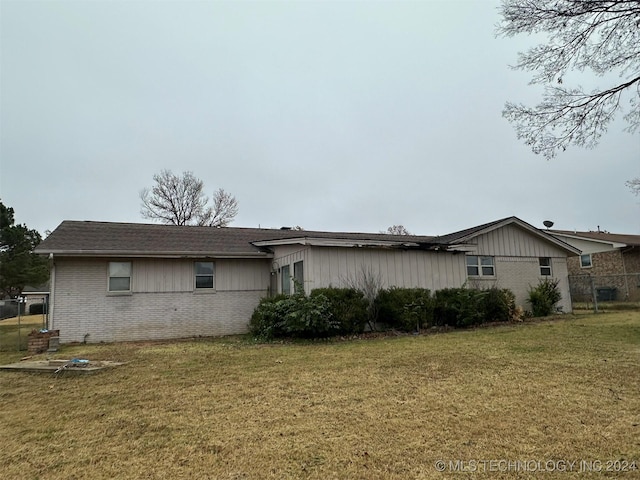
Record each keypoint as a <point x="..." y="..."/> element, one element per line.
<point x="608" y="243"/>
<point x="350" y="243"/>
<point x="146" y="254"/>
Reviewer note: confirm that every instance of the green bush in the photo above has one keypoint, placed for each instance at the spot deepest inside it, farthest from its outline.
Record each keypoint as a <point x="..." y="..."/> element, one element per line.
<point x="333" y="311"/>
<point x="37" y="308"/>
<point x="311" y="317"/>
<point x="498" y="305"/>
<point x="293" y="316"/>
<point x="406" y="309"/>
<point x="464" y="307"/>
<point x="347" y="306"/>
<point x="268" y="318"/>
<point x="458" y="307"/>
<point x="544" y="297"/>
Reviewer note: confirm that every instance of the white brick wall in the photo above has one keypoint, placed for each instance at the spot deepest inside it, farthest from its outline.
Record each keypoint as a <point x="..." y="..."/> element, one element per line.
<point x="518" y="274"/>
<point x="83" y="307"/>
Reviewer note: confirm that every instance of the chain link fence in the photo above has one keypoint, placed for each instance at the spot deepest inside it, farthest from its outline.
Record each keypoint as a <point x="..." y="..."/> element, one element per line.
<point x="610" y="292"/>
<point x="16" y="323"/>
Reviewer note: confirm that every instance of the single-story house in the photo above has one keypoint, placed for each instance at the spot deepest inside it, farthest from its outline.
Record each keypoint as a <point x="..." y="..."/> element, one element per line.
<point x="123" y="281"/>
<point x="610" y="260"/>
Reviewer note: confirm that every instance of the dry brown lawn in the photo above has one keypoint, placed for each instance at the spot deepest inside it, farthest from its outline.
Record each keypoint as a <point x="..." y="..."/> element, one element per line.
<point x="553" y="391"/>
<point x="14" y="331"/>
<point x="35" y="320"/>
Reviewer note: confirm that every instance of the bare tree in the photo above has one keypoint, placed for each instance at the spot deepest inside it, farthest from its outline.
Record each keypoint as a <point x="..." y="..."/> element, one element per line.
<point x="599" y="36"/>
<point x="369" y="283"/>
<point x="224" y="210"/>
<point x="180" y="200"/>
<point x="397" y="230"/>
<point x="634" y="186"/>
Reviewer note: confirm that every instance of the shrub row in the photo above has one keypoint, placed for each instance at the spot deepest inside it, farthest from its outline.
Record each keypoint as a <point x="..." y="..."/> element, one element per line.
<point x="334" y="311"/>
<point x="464" y="307"/>
<point x="406" y="309"/>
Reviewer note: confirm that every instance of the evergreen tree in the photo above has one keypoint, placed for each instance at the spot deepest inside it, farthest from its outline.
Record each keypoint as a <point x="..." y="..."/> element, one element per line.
<point x="19" y="266"/>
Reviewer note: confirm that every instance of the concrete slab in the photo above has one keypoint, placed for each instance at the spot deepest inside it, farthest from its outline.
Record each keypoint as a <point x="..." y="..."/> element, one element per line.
<point x="74" y="366"/>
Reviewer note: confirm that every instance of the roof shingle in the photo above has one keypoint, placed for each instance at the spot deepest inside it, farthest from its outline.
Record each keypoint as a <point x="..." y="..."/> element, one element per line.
<point x="87" y="238"/>
<point x="628" y="239"/>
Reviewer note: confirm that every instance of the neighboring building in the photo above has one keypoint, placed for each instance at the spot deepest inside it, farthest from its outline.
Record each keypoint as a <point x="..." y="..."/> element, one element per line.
<point x="118" y="281"/>
<point x="35" y="295"/>
<point x="9" y="307"/>
<point x="612" y="261"/>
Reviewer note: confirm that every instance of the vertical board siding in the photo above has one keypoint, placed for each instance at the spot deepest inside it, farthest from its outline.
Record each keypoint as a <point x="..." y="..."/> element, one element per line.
<point x="329" y="266"/>
<point x="511" y="240"/>
<point x="84" y="307"/>
<point x="160" y="275"/>
<point x="242" y="275"/>
<point x="289" y="256"/>
<point x="177" y="275"/>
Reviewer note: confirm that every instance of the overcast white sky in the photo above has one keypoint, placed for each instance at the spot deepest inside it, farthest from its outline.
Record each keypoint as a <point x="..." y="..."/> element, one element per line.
<point x="340" y="116"/>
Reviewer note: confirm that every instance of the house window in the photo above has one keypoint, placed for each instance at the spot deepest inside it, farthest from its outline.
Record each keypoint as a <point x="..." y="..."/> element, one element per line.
<point x="545" y="266"/>
<point x="585" y="261"/>
<point x="480" y="266"/>
<point x="285" y="279"/>
<point x="205" y="274"/>
<point x="119" y="276"/>
<point x="298" y="275"/>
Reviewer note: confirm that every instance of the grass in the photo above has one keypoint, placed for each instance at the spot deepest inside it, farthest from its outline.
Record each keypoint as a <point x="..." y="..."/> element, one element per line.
<point x="14" y="331"/>
<point x="387" y="408"/>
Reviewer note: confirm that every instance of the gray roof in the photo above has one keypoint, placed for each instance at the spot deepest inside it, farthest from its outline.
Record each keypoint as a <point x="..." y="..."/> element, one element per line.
<point x="463" y="236"/>
<point x="30" y="289"/>
<point x="470" y="232"/>
<point x="85" y="238"/>
<point x="627" y="239"/>
<point x="112" y="239"/>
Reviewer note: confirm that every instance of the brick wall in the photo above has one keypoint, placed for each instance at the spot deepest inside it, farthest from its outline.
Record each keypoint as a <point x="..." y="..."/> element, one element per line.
<point x="38" y="342"/>
<point x="613" y="269"/>
<point x="518" y="274"/>
<point x="603" y="263"/>
<point x="632" y="260"/>
<point x="83" y="310"/>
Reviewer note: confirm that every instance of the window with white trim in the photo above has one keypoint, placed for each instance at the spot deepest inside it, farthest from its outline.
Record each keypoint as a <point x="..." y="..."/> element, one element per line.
<point x="545" y="266"/>
<point x="205" y="273"/>
<point x="585" y="261"/>
<point x="478" y="266"/>
<point x="119" y="276"/>
<point x="298" y="275"/>
<point x="285" y="277"/>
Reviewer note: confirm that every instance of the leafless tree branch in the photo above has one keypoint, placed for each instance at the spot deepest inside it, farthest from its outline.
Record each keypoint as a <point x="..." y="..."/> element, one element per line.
<point x="224" y="210"/>
<point x="601" y="36"/>
<point x="369" y="282"/>
<point x="397" y="230"/>
<point x="634" y="186"/>
<point x="180" y="200"/>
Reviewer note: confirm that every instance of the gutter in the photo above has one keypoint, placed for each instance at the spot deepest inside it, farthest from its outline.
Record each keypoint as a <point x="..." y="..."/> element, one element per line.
<point x="52" y="291"/>
<point x="146" y="254"/>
